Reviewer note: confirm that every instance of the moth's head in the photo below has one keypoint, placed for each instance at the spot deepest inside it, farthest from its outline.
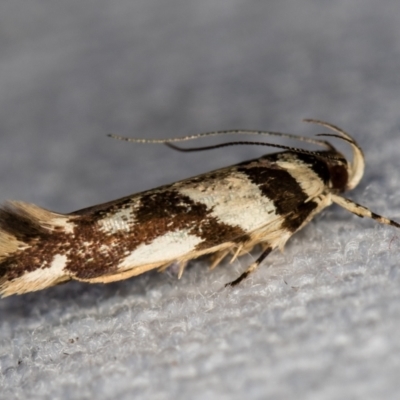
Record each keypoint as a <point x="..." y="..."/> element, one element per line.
<point x="344" y="174"/>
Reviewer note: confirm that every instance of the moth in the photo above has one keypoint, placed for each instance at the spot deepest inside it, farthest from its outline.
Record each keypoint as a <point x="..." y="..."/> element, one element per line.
<point x="224" y="212"/>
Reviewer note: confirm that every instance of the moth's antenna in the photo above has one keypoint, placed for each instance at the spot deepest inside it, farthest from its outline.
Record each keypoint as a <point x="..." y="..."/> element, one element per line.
<point x="356" y="169"/>
<point x="279" y="146"/>
<point x="321" y="143"/>
<point x="358" y="164"/>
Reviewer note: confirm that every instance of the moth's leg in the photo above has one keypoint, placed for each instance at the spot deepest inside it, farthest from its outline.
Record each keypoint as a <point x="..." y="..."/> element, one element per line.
<point x="182" y="266"/>
<point x="361" y="211"/>
<point x="236" y="254"/>
<point x="163" y="267"/>
<point x="252" y="267"/>
<point x="217" y="257"/>
<point x="264" y="246"/>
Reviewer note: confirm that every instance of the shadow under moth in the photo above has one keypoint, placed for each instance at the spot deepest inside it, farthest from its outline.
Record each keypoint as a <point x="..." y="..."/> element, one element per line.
<point x="224" y="212"/>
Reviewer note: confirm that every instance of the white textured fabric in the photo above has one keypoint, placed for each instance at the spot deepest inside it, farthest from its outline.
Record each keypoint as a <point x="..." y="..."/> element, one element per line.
<point x="322" y="320"/>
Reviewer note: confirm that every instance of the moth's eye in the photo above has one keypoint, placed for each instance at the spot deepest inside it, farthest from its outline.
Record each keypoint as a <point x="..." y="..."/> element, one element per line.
<point x="339" y="176"/>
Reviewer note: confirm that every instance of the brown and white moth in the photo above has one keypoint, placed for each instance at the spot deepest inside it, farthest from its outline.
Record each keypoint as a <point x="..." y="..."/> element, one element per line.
<point x="228" y="211"/>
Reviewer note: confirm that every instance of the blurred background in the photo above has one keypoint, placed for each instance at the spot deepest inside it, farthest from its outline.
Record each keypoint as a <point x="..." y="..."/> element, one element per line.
<point x="73" y="71"/>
